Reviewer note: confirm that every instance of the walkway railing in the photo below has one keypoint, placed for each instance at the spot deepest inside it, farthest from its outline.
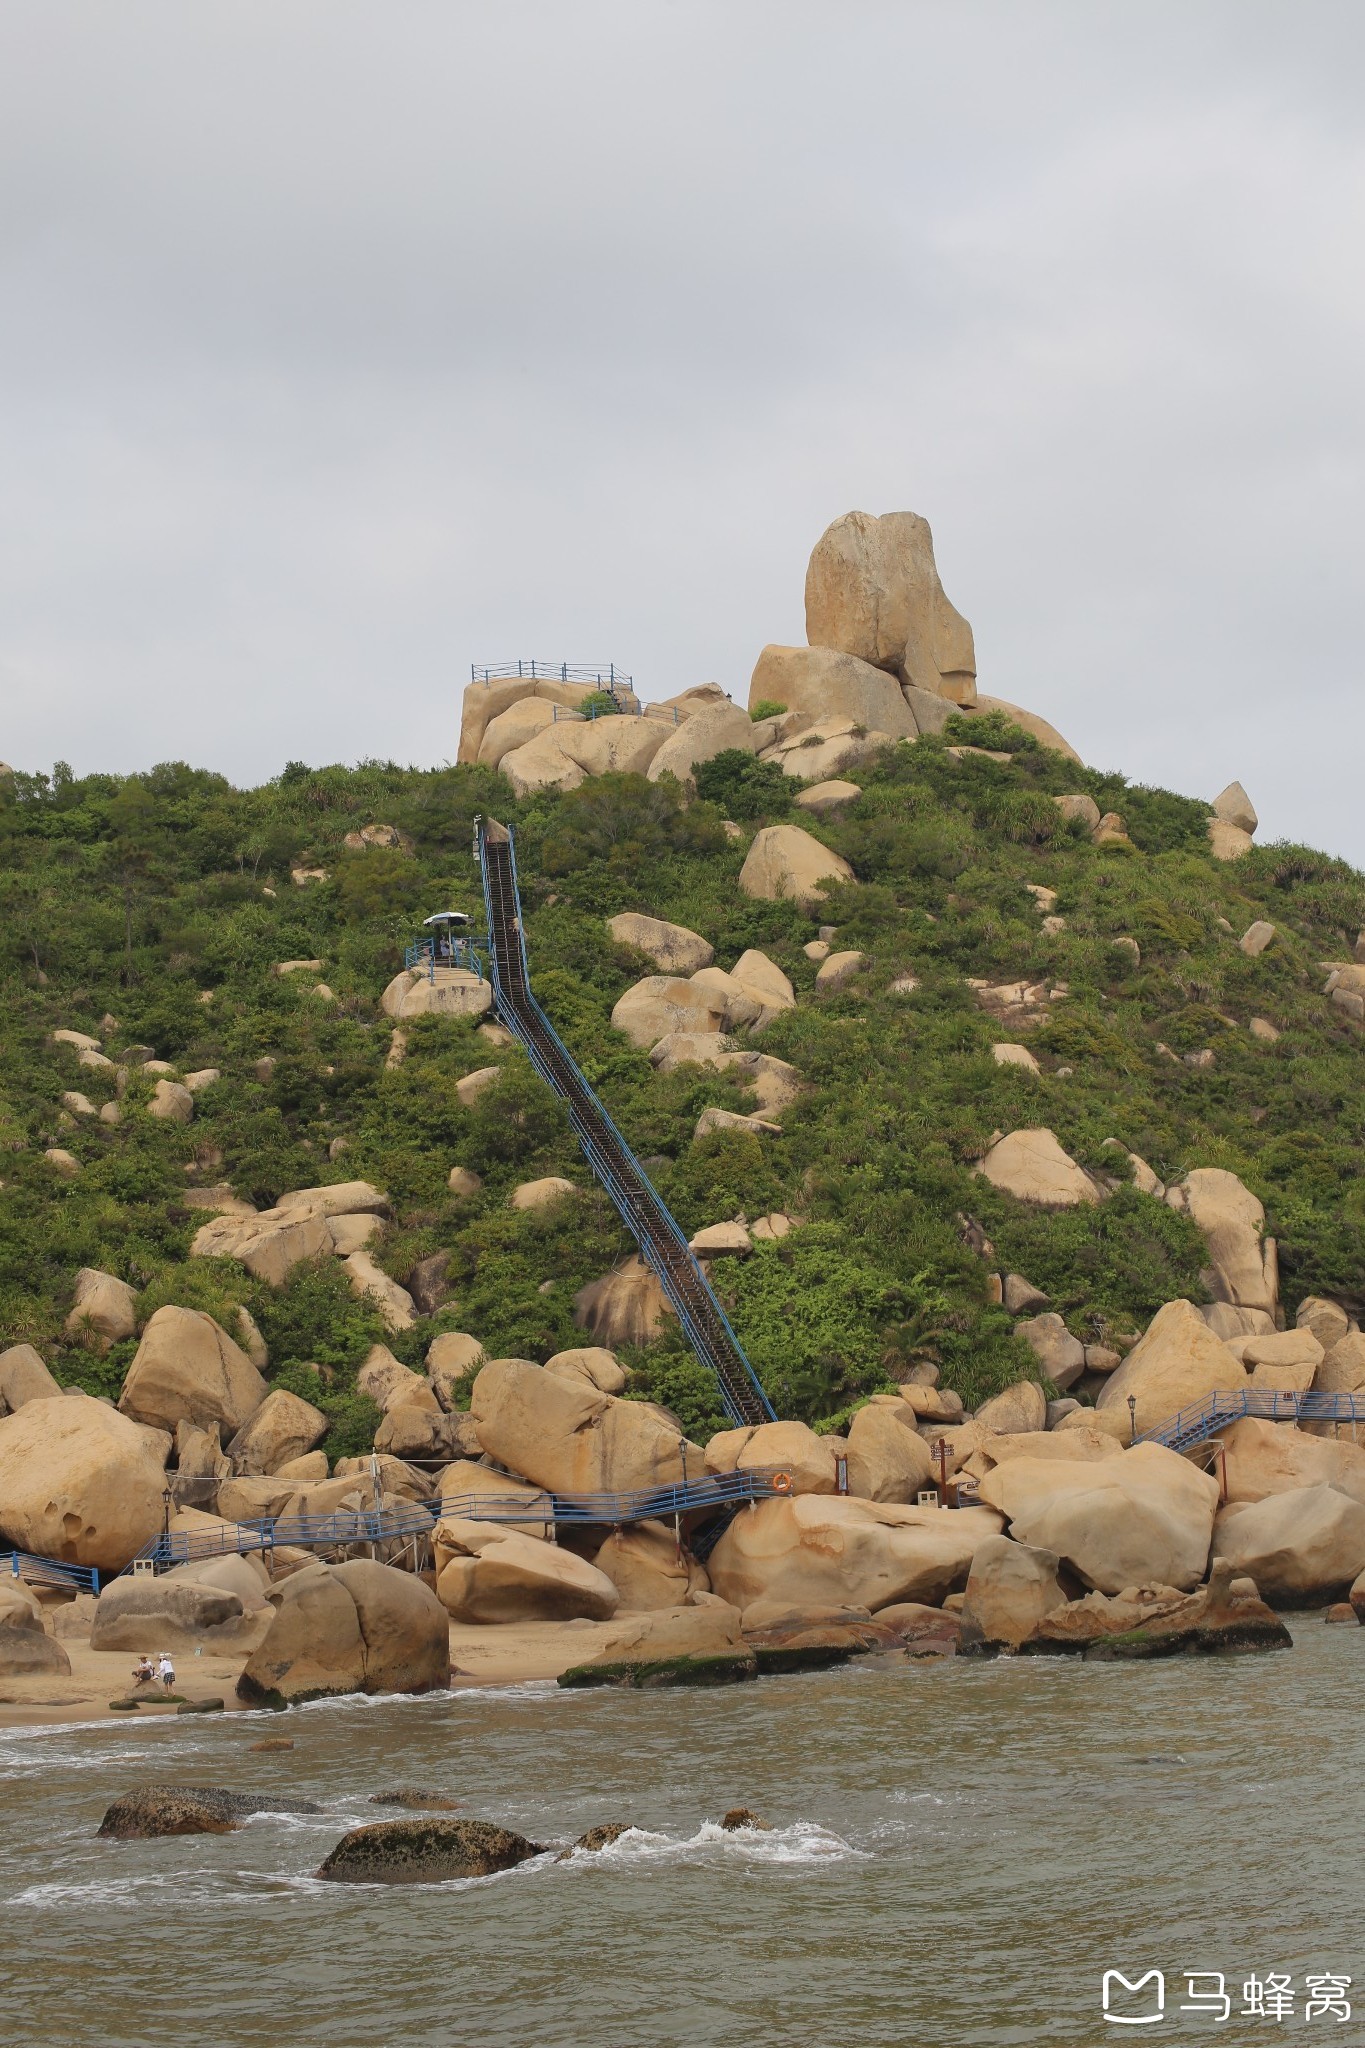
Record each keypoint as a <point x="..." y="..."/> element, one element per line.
<point x="429" y="954"/>
<point x="49" y="1571"/>
<point x="708" y="1494"/>
<point x="662" y="1245"/>
<point x="1204" y="1418"/>
<point x="608" y="675"/>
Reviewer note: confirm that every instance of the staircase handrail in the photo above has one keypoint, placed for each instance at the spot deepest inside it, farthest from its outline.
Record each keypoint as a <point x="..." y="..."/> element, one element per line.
<point x="1220" y="1410"/>
<point x="420" y="1518"/>
<point x="49" y="1571"/>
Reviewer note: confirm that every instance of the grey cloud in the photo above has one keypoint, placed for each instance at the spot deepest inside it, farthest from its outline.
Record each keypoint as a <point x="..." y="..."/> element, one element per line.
<point x="345" y="344"/>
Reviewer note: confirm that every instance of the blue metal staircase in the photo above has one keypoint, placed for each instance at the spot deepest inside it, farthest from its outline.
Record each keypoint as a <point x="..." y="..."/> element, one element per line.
<point x="662" y="1245"/>
<point x="1205" y="1418"/>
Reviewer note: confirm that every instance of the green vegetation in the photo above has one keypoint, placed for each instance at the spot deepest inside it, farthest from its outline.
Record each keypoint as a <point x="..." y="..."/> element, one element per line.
<point x="162" y="902"/>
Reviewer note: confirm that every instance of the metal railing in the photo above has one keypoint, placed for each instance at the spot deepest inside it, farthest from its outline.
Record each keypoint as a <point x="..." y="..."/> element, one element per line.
<point x="429" y="954"/>
<point x="1216" y="1411"/>
<point x="401" y="1523"/>
<point x="49" y="1571"/>
<point x="662" y="1245"/>
<point x="609" y="676"/>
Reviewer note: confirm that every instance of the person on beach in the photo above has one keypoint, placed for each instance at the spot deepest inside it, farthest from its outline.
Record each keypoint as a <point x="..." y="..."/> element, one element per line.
<point x="166" y="1672"/>
<point x="143" y="1673"/>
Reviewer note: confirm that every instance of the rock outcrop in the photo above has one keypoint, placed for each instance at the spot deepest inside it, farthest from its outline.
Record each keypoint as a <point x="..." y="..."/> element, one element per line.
<point x="103" y="1312"/>
<point x="429" y="1851"/>
<point x="24" y="1378"/>
<point x="786" y="862"/>
<point x="873" y="591"/>
<point x="1264" y="1458"/>
<point x="1133" y="1520"/>
<point x="672" y="947"/>
<point x="565" y="1435"/>
<point x="626" y="1306"/>
<point x="1301" y="1547"/>
<point x="1032" y="1166"/>
<point x="833" y="1550"/>
<point x="815" y="684"/>
<point x="1010" y="1588"/>
<point x="644" y="1563"/>
<point x="442" y="992"/>
<point x="357" y="1627"/>
<point x="1232" y="1223"/>
<point x="187" y="1369"/>
<point x="487" y="1572"/>
<point x="284" y="1427"/>
<point x="887" y="1460"/>
<point x="160" y="1613"/>
<point x="1176" y="1364"/>
<point x="80" y="1482"/>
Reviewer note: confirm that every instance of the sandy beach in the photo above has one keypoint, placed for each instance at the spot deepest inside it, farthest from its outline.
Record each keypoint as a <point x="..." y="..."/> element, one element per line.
<point x="508" y="1655"/>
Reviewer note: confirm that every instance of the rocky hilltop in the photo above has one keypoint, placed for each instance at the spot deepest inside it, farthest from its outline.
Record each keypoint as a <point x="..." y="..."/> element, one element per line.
<point x="1011" y="1109"/>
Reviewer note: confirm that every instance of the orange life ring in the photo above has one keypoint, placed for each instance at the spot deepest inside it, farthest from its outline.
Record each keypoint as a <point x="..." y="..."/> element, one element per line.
<point x="782" y="1482"/>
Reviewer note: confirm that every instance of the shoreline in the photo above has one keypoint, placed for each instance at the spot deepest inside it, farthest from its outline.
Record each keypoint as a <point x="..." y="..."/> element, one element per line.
<point x="515" y="1653"/>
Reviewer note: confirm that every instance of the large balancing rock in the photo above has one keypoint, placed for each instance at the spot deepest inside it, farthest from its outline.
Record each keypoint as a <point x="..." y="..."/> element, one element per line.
<point x="424" y="1852"/>
<point x="358" y="1627"/>
<point x="80" y="1482"/>
<point x="873" y="591"/>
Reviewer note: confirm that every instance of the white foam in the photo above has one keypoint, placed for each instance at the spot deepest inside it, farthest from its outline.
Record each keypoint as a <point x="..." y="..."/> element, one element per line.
<point x="802" y="1842"/>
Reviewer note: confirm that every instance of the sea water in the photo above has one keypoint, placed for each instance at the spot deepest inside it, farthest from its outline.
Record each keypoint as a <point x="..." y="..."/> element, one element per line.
<point x="958" y="1853"/>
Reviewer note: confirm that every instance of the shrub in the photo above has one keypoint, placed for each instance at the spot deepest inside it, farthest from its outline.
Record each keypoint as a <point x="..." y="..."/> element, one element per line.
<point x="741" y="786"/>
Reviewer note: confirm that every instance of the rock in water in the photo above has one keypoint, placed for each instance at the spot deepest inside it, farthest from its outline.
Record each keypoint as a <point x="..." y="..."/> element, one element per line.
<point x="151" y="1810"/>
<point x="424" y="1852"/>
<point x="420" y="1802"/>
<point x="597" y="1838"/>
<point x="744" y="1817"/>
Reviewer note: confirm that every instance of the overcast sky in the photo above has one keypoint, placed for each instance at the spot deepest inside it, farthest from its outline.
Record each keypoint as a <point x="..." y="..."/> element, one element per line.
<point x="346" y="342"/>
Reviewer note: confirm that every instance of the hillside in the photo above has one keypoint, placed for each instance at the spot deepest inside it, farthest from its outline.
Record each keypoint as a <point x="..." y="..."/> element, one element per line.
<point x="152" y="912"/>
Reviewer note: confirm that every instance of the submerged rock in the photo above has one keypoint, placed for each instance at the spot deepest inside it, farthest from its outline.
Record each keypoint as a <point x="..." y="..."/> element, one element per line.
<point x="596" y="1838"/>
<point x="149" y="1811"/>
<point x="413" y="1796"/>
<point x="728" y="1667"/>
<point x="424" y="1852"/>
<point x="744" y="1817"/>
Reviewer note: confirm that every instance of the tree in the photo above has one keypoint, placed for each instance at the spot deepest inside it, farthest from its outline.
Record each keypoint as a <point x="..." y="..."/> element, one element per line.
<point x="132" y="814"/>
